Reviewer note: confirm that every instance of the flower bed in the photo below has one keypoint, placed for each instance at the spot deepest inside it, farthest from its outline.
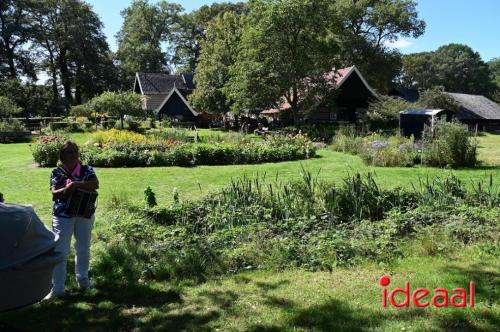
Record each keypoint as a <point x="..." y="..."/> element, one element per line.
<point x="124" y="149"/>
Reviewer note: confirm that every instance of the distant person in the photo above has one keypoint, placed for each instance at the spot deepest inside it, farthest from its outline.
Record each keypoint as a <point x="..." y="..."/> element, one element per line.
<point x="64" y="181"/>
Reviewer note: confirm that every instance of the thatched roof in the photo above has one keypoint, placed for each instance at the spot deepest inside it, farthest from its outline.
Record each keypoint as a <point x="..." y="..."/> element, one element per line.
<point x="475" y="107"/>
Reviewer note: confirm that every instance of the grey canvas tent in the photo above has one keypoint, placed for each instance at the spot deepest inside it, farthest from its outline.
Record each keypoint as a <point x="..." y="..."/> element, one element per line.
<point x="27" y="258"/>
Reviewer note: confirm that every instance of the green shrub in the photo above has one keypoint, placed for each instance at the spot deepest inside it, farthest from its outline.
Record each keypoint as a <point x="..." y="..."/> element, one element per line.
<point x="450" y="144"/>
<point x="46" y="150"/>
<point x="11" y="125"/>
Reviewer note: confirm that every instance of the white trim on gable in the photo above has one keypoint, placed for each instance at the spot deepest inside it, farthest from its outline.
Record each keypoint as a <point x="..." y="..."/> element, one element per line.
<point x="182" y="98"/>
<point x="137" y="79"/>
<point x="355" y="69"/>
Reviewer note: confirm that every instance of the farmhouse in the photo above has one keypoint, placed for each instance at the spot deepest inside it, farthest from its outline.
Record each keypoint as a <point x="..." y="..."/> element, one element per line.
<point x="476" y="110"/>
<point x="166" y="95"/>
<point x="354" y="95"/>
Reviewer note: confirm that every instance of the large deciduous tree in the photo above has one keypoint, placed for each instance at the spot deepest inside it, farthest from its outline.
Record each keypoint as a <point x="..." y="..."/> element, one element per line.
<point x="145" y="28"/>
<point x="366" y="28"/>
<point x="218" y="54"/>
<point x="73" y="48"/>
<point x="455" y="67"/>
<point x="284" y="46"/>
<point x="15" y="32"/>
<point x="191" y="29"/>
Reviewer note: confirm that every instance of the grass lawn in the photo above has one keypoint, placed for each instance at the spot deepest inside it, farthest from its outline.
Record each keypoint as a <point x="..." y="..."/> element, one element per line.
<point x="22" y="182"/>
<point x="346" y="299"/>
<point x="292" y="300"/>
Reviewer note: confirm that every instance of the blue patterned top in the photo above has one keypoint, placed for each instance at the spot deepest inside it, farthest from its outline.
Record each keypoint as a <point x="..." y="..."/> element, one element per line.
<point x="58" y="180"/>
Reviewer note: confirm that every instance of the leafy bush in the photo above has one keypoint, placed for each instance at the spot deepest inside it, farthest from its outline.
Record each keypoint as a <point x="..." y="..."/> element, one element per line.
<point x="81" y="111"/>
<point x="46" y="150"/>
<point x="389" y="152"/>
<point x="65" y="126"/>
<point x="11" y="125"/>
<point x="315" y="132"/>
<point x="8" y="107"/>
<point x="450" y="144"/>
<point x="384" y="112"/>
<point x="346" y="140"/>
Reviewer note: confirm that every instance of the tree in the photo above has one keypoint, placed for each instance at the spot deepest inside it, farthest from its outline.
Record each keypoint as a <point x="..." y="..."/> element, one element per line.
<point x="418" y="71"/>
<point x="494" y="65"/>
<point x="117" y="104"/>
<point x="434" y="98"/>
<point x="455" y="67"/>
<point x="383" y="113"/>
<point x="146" y="26"/>
<point x="279" y="59"/>
<point x="218" y="54"/>
<point x="8" y="107"/>
<point x="15" y="32"/>
<point x="32" y="98"/>
<point x="69" y="38"/>
<point x="366" y="28"/>
<point x="190" y="32"/>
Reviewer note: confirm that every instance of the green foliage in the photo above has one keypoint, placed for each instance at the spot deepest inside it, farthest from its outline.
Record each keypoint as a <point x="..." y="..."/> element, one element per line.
<point x="82" y="111"/>
<point x="450" y="144"/>
<point x="254" y="224"/>
<point x="384" y="112"/>
<point x="46" y="150"/>
<point x="218" y="53"/>
<point x="190" y="32"/>
<point x="365" y="26"/>
<point x="435" y="98"/>
<point x="347" y="140"/>
<point x="395" y="151"/>
<point x="275" y="57"/>
<point x="11" y="125"/>
<point x="8" y="108"/>
<point x="146" y="26"/>
<point x="117" y="104"/>
<point x="455" y="67"/>
<point x="150" y="197"/>
<point x="315" y="132"/>
<point x="199" y="154"/>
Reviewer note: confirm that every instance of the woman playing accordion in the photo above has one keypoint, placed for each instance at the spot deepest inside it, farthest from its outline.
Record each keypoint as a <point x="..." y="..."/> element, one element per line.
<point x="73" y="187"/>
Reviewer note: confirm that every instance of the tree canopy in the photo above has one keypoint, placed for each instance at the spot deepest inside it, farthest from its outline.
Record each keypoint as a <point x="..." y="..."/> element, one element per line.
<point x="455" y="67"/>
<point x="145" y="29"/>
<point x="218" y="54"/>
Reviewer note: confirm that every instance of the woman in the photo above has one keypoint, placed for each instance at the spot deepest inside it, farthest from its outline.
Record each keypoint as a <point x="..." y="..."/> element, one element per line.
<point x="63" y="182"/>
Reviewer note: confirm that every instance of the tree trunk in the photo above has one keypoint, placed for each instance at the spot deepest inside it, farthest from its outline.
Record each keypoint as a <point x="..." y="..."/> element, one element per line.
<point x="12" y="65"/>
<point x="55" y="91"/>
<point x="78" y="87"/>
<point x="66" y="82"/>
<point x="121" y="120"/>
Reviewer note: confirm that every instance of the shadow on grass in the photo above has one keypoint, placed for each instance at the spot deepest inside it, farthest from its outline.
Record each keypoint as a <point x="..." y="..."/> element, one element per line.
<point x="112" y="309"/>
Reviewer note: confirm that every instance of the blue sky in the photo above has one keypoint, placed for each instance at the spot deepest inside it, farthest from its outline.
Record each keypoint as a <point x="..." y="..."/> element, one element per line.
<point x="475" y="23"/>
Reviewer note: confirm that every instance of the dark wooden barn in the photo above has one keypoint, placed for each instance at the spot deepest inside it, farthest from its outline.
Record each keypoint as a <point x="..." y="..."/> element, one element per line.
<point x="351" y="102"/>
<point x="477" y="111"/>
<point x="166" y="95"/>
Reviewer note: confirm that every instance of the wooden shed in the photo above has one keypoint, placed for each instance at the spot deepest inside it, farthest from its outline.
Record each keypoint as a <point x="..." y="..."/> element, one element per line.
<point x="413" y="121"/>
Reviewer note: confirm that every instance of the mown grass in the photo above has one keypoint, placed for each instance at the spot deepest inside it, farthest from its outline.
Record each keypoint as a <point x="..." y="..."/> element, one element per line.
<point x="292" y="300"/>
<point x="22" y="182"/>
<point x="346" y="299"/>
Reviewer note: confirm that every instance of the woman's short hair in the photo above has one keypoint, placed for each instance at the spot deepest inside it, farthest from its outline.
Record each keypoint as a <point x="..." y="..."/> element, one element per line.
<point x="65" y="147"/>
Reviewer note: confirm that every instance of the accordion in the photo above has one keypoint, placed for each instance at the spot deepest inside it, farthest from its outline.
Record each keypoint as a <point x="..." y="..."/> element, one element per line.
<point x="81" y="203"/>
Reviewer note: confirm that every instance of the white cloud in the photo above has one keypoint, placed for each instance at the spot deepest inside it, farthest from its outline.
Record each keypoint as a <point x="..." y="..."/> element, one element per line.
<point x="400" y="43"/>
